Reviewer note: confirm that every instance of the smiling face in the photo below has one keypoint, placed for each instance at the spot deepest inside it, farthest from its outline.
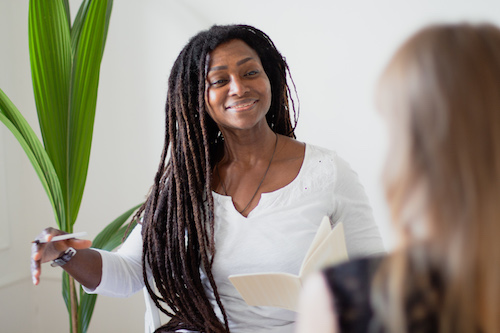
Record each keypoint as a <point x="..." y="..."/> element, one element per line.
<point x="238" y="91"/>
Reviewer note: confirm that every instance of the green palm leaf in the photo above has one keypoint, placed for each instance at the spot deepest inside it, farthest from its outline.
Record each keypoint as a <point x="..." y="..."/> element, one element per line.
<point x="78" y="24"/>
<point x="65" y="293"/>
<point x="67" y="11"/>
<point x="80" y="19"/>
<point x="37" y="155"/>
<point x="66" y="290"/>
<point x="83" y="98"/>
<point x="65" y="69"/>
<point x="111" y="236"/>
<point x="87" y="305"/>
<point x="50" y="56"/>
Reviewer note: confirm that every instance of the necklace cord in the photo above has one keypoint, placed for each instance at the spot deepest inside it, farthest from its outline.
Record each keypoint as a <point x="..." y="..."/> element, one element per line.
<point x="261" y="182"/>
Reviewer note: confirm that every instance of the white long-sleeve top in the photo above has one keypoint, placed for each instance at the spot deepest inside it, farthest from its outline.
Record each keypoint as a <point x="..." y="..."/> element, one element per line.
<point x="273" y="238"/>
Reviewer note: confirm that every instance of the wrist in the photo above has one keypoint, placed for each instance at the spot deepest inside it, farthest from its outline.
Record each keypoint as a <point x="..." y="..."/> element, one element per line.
<point x="64" y="257"/>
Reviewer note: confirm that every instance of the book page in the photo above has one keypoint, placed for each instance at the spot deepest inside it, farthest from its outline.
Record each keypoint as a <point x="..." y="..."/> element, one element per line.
<point x="268" y="289"/>
<point x="330" y="252"/>
<point x="323" y="232"/>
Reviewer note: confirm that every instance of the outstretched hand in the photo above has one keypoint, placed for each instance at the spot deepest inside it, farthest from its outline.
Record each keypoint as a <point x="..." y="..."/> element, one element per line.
<point x="45" y="252"/>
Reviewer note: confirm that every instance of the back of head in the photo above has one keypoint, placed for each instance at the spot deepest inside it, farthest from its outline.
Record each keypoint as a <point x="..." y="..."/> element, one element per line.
<point x="441" y="95"/>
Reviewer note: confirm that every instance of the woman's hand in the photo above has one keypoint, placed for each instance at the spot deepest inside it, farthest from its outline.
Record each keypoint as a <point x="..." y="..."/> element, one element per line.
<point x="45" y="252"/>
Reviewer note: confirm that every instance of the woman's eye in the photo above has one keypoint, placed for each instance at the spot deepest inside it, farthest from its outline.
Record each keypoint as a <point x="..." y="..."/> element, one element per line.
<point x="217" y="82"/>
<point x="252" y="73"/>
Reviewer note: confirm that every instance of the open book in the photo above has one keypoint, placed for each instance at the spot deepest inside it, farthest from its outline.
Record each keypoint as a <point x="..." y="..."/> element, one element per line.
<point x="282" y="289"/>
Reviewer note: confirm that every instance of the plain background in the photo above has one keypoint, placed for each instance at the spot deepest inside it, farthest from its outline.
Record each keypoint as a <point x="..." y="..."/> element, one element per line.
<point x="335" y="50"/>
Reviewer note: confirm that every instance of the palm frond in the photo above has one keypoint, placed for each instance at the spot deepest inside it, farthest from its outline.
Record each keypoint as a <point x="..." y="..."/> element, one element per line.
<point x="51" y="61"/>
<point x="37" y="155"/>
<point x="83" y="98"/>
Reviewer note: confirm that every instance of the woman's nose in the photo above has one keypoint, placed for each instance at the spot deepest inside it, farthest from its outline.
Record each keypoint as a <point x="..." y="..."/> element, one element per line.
<point x="237" y="87"/>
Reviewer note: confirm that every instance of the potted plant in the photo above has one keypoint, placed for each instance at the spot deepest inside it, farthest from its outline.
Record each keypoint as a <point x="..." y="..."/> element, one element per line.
<point x="65" y="64"/>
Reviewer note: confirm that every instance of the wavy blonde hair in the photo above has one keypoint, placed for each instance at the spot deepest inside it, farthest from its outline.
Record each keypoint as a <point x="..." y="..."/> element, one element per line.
<point x="441" y="96"/>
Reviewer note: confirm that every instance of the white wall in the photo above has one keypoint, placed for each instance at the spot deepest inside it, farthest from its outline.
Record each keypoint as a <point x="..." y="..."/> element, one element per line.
<point x="335" y="50"/>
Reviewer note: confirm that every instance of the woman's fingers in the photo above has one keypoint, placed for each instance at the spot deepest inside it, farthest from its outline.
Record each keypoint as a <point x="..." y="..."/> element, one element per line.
<point x="44" y="252"/>
<point x="35" y="264"/>
<point x="79" y="244"/>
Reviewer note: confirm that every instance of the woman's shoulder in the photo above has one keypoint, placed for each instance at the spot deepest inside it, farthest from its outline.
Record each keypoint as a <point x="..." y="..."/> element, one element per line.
<point x="320" y="151"/>
<point x="323" y="154"/>
<point x="294" y="147"/>
<point x="290" y="148"/>
<point x="318" y="156"/>
<point x="323" y="166"/>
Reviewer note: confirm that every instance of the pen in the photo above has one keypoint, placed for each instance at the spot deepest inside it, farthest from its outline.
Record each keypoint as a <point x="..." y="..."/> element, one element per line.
<point x="62" y="237"/>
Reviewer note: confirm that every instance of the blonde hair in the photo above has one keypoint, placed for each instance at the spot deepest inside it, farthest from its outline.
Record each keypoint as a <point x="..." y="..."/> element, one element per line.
<point x="441" y="94"/>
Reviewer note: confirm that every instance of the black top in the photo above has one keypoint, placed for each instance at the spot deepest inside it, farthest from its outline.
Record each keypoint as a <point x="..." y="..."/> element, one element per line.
<point x="350" y="284"/>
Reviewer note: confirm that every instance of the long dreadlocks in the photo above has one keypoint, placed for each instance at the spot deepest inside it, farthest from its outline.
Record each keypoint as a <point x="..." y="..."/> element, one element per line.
<point x="178" y="216"/>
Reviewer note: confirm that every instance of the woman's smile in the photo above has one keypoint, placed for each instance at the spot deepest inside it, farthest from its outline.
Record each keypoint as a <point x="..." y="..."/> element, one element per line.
<point x="242" y="105"/>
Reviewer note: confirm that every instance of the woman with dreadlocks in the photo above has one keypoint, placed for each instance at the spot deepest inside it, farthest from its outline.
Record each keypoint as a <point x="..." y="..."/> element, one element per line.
<point x="234" y="193"/>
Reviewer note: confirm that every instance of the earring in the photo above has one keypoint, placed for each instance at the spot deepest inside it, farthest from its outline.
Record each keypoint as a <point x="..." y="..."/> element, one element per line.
<point x="219" y="137"/>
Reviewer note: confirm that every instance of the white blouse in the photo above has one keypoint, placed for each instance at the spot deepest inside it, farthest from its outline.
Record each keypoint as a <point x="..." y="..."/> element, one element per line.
<point x="273" y="238"/>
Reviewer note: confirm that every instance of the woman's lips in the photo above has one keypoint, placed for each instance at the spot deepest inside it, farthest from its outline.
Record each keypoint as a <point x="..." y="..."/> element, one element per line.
<point x="242" y="105"/>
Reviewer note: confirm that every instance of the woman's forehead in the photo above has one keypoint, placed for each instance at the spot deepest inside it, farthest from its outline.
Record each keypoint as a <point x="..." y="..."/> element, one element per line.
<point x="232" y="51"/>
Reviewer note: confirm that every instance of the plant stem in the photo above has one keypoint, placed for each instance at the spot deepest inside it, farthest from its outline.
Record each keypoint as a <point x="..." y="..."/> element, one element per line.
<point x="74" y="305"/>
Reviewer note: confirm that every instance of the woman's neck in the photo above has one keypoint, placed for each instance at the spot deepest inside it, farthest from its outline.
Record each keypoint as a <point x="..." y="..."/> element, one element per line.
<point x="248" y="147"/>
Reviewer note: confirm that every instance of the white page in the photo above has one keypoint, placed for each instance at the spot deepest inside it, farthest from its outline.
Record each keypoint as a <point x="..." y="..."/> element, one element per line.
<point x="330" y="252"/>
<point x="322" y="233"/>
<point x="268" y="289"/>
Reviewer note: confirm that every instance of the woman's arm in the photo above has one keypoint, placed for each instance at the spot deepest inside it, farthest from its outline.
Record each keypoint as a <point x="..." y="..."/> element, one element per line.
<point x="121" y="270"/>
<point x="116" y="274"/>
<point x="316" y="310"/>
<point x="353" y="209"/>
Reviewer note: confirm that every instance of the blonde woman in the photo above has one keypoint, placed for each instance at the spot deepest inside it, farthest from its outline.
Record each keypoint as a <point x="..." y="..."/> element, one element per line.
<point x="441" y="97"/>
